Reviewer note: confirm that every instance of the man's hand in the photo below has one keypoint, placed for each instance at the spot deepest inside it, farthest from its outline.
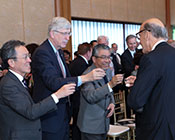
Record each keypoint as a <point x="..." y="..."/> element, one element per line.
<point x="95" y="74"/>
<point x="129" y="81"/>
<point x="116" y="79"/>
<point x="65" y="90"/>
<point x="111" y="109"/>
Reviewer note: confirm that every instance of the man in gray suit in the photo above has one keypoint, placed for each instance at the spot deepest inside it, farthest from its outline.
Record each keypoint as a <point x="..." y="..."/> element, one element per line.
<point x="19" y="115"/>
<point x="96" y="101"/>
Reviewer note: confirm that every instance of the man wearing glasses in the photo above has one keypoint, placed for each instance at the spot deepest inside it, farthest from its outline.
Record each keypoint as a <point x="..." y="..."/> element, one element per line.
<point x="153" y="93"/>
<point x="50" y="73"/>
<point x="96" y="97"/>
<point x="19" y="115"/>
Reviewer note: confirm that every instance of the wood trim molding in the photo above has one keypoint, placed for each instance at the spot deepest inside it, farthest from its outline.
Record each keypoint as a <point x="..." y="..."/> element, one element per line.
<point x="63" y="9"/>
<point x="56" y="8"/>
<point x="168" y="17"/>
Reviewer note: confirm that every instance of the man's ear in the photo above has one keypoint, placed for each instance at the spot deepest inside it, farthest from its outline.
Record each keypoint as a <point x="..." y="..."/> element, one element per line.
<point x="52" y="34"/>
<point x="93" y="59"/>
<point x="11" y="63"/>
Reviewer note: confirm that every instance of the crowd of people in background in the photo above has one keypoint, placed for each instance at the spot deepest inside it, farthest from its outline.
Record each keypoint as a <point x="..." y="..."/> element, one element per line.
<point x="40" y="93"/>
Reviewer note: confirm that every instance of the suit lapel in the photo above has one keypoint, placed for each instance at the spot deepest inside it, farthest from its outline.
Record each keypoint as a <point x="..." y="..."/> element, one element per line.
<point x="54" y="58"/>
<point x="21" y="87"/>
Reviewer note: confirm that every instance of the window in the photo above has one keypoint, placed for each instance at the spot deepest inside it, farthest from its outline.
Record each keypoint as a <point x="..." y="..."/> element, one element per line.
<point x="173" y="33"/>
<point x="85" y="31"/>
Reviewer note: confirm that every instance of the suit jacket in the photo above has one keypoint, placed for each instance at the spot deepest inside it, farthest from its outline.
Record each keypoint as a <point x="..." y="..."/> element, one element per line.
<point x="94" y="100"/>
<point x="153" y="91"/>
<point x="19" y="116"/>
<point x="127" y="63"/>
<point x="77" y="67"/>
<point x="48" y="78"/>
<point x="117" y="66"/>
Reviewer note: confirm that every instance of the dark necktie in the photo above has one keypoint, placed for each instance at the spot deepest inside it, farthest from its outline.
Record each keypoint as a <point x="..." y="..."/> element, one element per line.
<point x="25" y="84"/>
<point x="105" y="79"/>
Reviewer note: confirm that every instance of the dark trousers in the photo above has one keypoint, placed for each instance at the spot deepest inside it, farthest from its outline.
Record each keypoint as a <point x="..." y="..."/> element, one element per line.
<point x="87" y="136"/>
<point x="76" y="134"/>
<point x="61" y="134"/>
<point x="128" y="109"/>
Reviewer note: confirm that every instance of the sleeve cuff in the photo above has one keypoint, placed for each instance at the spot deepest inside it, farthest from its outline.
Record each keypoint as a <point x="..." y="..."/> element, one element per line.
<point x="110" y="89"/>
<point x="56" y="100"/>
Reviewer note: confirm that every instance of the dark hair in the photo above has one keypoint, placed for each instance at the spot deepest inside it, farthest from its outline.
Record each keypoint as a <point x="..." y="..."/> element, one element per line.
<point x="84" y="48"/>
<point x="129" y="37"/>
<point x="76" y="53"/>
<point x="32" y="47"/>
<point x="93" y="42"/>
<point x="67" y="52"/>
<point x="8" y="50"/>
<point x="99" y="47"/>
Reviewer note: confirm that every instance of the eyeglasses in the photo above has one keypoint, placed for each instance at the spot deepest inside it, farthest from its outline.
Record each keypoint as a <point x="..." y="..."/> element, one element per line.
<point x="25" y="57"/>
<point x="138" y="34"/>
<point x="104" y="57"/>
<point x="64" y="33"/>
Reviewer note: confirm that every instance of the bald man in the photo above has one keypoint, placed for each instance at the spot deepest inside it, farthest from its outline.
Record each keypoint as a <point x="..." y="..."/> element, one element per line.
<point x="153" y="93"/>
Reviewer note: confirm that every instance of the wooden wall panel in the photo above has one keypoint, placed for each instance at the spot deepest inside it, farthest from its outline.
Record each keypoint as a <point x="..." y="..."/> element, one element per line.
<point x="160" y="10"/>
<point x="11" y="23"/>
<point x="37" y="16"/>
<point x="148" y="9"/>
<point x="134" y="10"/>
<point x="83" y="8"/>
<point x="101" y="9"/>
<point x="172" y="11"/>
<point x="119" y="10"/>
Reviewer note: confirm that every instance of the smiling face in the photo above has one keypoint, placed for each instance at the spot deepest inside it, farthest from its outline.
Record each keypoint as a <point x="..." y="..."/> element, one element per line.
<point x="103" y="59"/>
<point x="21" y="63"/>
<point x="132" y="44"/>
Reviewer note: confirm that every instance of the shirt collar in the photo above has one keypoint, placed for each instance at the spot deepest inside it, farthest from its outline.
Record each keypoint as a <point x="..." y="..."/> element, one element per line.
<point x="158" y="42"/>
<point x="54" y="49"/>
<point x="20" y="77"/>
<point x="84" y="59"/>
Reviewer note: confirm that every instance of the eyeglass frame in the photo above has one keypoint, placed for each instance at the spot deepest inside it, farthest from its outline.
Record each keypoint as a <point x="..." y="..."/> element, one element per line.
<point x="104" y="57"/>
<point x="138" y="34"/>
<point x="24" y="57"/>
<point x="64" y="33"/>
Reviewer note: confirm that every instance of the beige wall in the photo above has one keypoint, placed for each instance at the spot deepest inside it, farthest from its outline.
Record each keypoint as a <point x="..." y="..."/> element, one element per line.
<point x="172" y="11"/>
<point x="25" y="20"/>
<point x="119" y="10"/>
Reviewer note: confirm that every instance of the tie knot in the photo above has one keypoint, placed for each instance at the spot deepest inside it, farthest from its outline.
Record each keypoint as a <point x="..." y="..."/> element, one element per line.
<point x="25" y="83"/>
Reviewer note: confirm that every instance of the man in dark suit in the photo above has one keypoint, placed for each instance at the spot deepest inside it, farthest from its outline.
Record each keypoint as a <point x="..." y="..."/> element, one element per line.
<point x="50" y="72"/>
<point x="128" y="64"/>
<point x="19" y="115"/>
<point x="128" y="55"/>
<point x="77" y="67"/>
<point x="116" y="59"/>
<point x="96" y="98"/>
<point x="152" y="95"/>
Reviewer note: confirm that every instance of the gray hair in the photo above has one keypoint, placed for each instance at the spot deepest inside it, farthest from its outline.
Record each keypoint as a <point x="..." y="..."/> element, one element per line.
<point x="156" y="30"/>
<point x="102" y="37"/>
<point x="99" y="47"/>
<point x="58" y="23"/>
